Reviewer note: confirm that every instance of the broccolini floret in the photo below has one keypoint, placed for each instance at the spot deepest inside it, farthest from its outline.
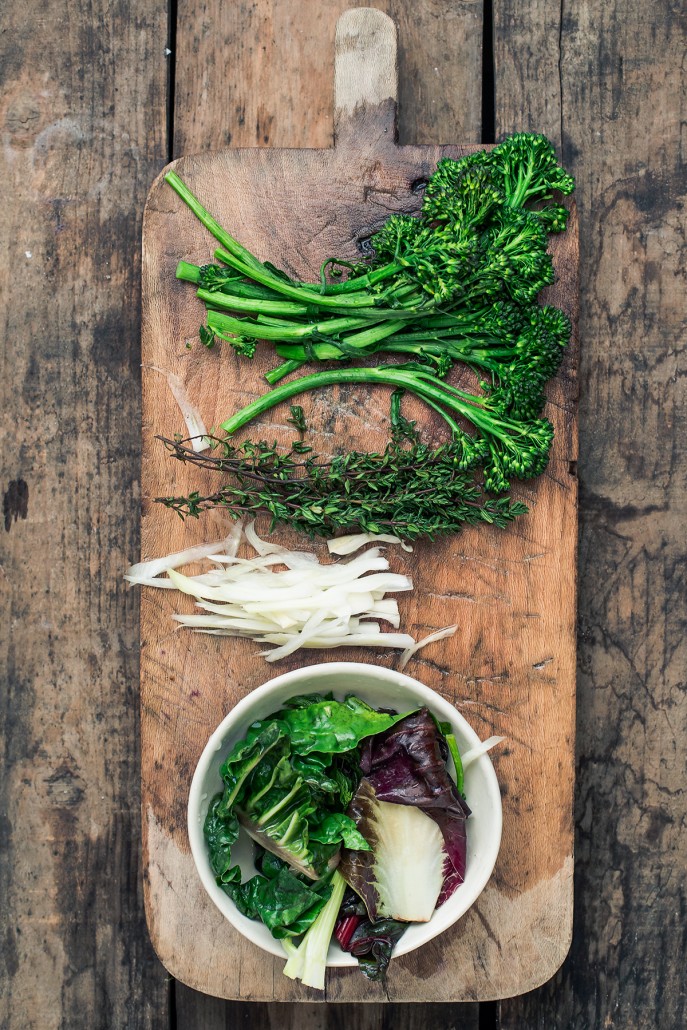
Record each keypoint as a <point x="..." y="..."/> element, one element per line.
<point x="458" y="282"/>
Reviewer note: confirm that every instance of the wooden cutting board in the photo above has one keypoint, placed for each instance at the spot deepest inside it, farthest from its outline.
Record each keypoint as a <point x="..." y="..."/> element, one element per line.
<point x="511" y="667"/>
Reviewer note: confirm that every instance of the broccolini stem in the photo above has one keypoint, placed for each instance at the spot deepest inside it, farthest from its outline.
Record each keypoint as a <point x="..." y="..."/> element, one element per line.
<point x="361" y="342"/>
<point x="283" y="370"/>
<point x="244" y="261"/>
<point x="222" y="324"/>
<point x="385" y="375"/>
<point x="301" y="293"/>
<point x="188" y="272"/>
<point x="220" y="234"/>
<point x="362" y="282"/>
<point x="215" y="299"/>
<point x="239" y="287"/>
<point x="253" y="302"/>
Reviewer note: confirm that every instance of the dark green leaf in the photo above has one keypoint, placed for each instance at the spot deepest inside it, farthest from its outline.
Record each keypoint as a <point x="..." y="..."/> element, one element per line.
<point x="221" y="833"/>
<point x="243" y="759"/>
<point x="338" y="828"/>
<point x="284" y="903"/>
<point x="333" y="726"/>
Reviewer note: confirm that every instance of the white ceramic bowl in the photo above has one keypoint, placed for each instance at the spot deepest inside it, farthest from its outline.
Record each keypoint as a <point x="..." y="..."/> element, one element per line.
<point x="381" y="688"/>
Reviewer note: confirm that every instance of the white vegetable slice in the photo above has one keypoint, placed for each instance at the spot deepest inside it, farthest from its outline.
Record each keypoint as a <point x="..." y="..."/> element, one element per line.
<point x="440" y="634"/>
<point x="147" y="570"/>
<point x="476" y="752"/>
<point x="393" y="640"/>
<point x="284" y="598"/>
<point x="262" y="546"/>
<point x="310" y="630"/>
<point x="190" y="414"/>
<point x="353" y="542"/>
<point x="233" y="541"/>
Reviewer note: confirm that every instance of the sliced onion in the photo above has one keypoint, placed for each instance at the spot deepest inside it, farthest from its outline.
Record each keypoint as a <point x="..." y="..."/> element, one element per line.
<point x="353" y="542"/>
<point x="440" y="634"/>
<point x="262" y="546"/>
<point x="287" y="599"/>
<point x="147" y="570"/>
<point x="190" y="414"/>
<point x="233" y="541"/>
<point x="392" y="640"/>
<point x="481" y="749"/>
<point x="310" y="630"/>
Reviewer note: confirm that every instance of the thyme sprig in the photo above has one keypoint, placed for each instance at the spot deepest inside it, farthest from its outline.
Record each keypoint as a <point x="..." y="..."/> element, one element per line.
<point x="412" y="491"/>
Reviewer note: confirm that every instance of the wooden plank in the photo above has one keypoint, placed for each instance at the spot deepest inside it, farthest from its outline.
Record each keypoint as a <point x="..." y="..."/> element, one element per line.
<point x="616" y="90"/>
<point x="287" y="91"/>
<point x="195" y="1011"/>
<point x="261" y="74"/>
<point x="503" y="669"/>
<point x="83" y="117"/>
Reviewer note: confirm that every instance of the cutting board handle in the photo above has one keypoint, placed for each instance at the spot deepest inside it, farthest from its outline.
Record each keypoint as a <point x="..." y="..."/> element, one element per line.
<point x="365" y="77"/>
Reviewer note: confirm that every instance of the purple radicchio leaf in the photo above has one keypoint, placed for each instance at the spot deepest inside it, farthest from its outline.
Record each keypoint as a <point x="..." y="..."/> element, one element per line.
<point x="405" y="766"/>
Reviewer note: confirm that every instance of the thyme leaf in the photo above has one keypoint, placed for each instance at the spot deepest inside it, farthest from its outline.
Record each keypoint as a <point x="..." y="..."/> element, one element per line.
<point x="413" y="491"/>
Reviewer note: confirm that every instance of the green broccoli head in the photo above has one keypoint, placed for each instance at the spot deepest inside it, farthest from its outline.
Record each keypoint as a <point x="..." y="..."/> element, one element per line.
<point x="244" y="345"/>
<point x="474" y="198"/>
<point x="542" y="344"/>
<point x="519" y="396"/>
<point x="444" y="182"/>
<point x="516" y="258"/>
<point x="216" y="277"/>
<point x="553" y="217"/>
<point x="398" y="235"/>
<point x="528" y="164"/>
<point x="503" y="320"/>
<point x="517" y="449"/>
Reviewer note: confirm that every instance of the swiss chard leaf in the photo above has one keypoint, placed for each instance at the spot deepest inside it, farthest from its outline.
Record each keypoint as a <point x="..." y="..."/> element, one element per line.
<point x="221" y="833"/>
<point x="373" y="944"/>
<point x="404" y="768"/>
<point x="243" y="759"/>
<point x="338" y="828"/>
<point x="269" y="864"/>
<point x="401" y="877"/>
<point x="333" y="726"/>
<point x="314" y="768"/>
<point x="305" y="700"/>
<point x="346" y="771"/>
<point x="284" y="903"/>
<point x="300" y="925"/>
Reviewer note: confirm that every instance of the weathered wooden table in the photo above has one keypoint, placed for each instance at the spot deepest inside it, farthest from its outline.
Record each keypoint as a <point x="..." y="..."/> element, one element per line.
<point x="96" y="99"/>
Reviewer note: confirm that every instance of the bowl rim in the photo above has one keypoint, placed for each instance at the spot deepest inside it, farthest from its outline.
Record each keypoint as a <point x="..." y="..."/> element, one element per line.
<point x="195" y="799"/>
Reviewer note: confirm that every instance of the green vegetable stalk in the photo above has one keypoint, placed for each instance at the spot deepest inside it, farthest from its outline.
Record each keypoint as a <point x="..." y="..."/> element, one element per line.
<point x="308" y="961"/>
<point x="456" y="283"/>
<point x="506" y="446"/>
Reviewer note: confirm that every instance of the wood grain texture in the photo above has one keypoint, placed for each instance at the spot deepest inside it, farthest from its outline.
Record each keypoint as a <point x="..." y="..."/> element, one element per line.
<point x="82" y="117"/>
<point x="260" y="73"/>
<point x="195" y="1011"/>
<point x="238" y="80"/>
<point x="510" y="669"/>
<point x="615" y="89"/>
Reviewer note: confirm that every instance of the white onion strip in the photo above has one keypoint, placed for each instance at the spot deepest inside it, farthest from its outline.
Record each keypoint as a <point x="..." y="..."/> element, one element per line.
<point x="190" y="414"/>
<point x="342" y="545"/>
<point x="144" y="571"/>
<point x="481" y="749"/>
<point x="287" y="599"/>
<point x="440" y="634"/>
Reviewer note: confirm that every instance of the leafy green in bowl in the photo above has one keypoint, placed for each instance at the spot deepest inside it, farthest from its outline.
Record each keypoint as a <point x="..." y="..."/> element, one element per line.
<point x="336" y="775"/>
